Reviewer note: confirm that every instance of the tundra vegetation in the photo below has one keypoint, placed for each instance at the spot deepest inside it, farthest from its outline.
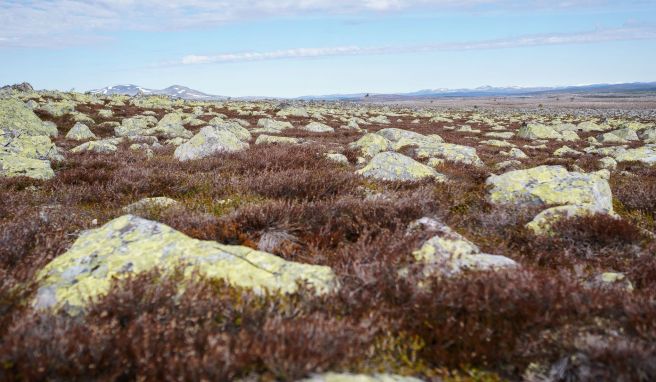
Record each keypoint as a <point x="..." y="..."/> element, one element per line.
<point x="148" y="238"/>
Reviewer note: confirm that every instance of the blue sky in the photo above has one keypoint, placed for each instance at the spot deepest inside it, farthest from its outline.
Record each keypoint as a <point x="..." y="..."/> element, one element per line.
<point x="301" y="47"/>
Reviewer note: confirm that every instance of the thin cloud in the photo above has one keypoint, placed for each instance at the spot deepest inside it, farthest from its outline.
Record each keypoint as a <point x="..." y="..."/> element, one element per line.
<point x="589" y="37"/>
<point x="55" y="22"/>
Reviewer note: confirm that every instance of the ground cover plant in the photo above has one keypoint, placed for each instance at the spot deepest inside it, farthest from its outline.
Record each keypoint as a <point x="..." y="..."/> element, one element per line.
<point x="580" y="304"/>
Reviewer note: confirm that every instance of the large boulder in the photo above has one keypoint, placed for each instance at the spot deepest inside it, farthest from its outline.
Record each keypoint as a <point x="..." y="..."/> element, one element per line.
<point x="568" y="194"/>
<point x="645" y="155"/>
<point x="548" y="186"/>
<point x="80" y="132"/>
<point x="170" y="126"/>
<point x="132" y="245"/>
<point x="449" y="253"/>
<point x="235" y="128"/>
<point x="317" y="127"/>
<point x="209" y="140"/>
<point x="395" y="166"/>
<point x="28" y="146"/>
<point x="16" y="116"/>
<point x="450" y="152"/>
<point x="372" y="144"/>
<point x="12" y="165"/>
<point x="268" y="125"/>
<point x="136" y="125"/>
<point x="401" y="138"/>
<point x="538" y="131"/>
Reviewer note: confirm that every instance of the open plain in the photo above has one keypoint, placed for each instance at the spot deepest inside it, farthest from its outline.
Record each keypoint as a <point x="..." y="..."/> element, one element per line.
<point x="151" y="238"/>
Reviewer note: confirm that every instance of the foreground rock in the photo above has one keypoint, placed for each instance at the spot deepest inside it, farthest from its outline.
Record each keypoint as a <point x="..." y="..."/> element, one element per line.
<point x="209" y="141"/>
<point x="573" y="193"/>
<point x="16" y="116"/>
<point x="395" y="166"/>
<point x="448" y="253"/>
<point x="131" y="245"/>
<point x="27" y="155"/>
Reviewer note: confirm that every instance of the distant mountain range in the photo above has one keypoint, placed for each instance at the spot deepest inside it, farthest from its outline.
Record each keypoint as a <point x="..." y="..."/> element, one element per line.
<point x="177" y="91"/>
<point x="491" y="91"/>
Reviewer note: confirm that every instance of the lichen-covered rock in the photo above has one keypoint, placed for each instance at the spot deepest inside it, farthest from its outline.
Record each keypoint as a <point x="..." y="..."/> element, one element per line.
<point x="566" y="151"/>
<point x="549" y="186"/>
<point x="293" y="111"/>
<point x="645" y="155"/>
<point x="149" y="204"/>
<point x="103" y="146"/>
<point x="589" y="126"/>
<point x="136" y="125"/>
<point x="318" y="127"/>
<point x="610" y="138"/>
<point x="28" y="146"/>
<point x="543" y="222"/>
<point x="264" y="139"/>
<point x="336" y="157"/>
<point x="105" y="113"/>
<point x="626" y="133"/>
<point x="347" y="377"/>
<point x="515" y="153"/>
<point x="380" y="120"/>
<point x="450" y="152"/>
<point x="80" y="132"/>
<point x="268" y="125"/>
<point x="12" y="165"/>
<point x="372" y="144"/>
<point x="449" y="253"/>
<point x="16" y="116"/>
<point x="538" y="131"/>
<point x="170" y="126"/>
<point x="58" y="108"/>
<point x="395" y="166"/>
<point x="569" y="136"/>
<point x="132" y="245"/>
<point x="209" y="140"/>
<point x="235" y="128"/>
<point x="401" y="138"/>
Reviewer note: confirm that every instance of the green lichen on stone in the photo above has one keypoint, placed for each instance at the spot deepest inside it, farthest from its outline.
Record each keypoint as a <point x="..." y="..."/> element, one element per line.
<point x="16" y="116"/>
<point x="209" y="140"/>
<point x="131" y="245"/>
<point x="395" y="166"/>
<point x="372" y="144"/>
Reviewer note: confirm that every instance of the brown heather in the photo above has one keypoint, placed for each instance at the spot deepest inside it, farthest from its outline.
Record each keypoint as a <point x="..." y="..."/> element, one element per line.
<point x="302" y="207"/>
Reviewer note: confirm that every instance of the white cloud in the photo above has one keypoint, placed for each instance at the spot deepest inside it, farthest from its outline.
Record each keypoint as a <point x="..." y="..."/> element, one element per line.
<point x="53" y="22"/>
<point x="589" y="37"/>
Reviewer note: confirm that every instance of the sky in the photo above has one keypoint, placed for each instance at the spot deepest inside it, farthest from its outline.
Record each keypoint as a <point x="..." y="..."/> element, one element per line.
<point x="288" y="48"/>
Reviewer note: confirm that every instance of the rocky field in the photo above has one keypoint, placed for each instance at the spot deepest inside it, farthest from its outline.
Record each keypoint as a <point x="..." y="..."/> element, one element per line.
<point x="145" y="238"/>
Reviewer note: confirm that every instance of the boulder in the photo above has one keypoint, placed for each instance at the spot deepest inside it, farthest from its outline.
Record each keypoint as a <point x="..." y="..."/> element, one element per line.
<point x="150" y="204"/>
<point x="318" y="127"/>
<point x="449" y="253"/>
<point x="103" y="146"/>
<point x="272" y="139"/>
<point x="372" y="144"/>
<point x="645" y="155"/>
<point x="132" y="245"/>
<point x="450" y="152"/>
<point x="16" y="116"/>
<point x="268" y="125"/>
<point x="136" y="125"/>
<point x="538" y="131"/>
<point x="548" y="186"/>
<point x="12" y="165"/>
<point x="80" y="132"/>
<point x="395" y="166"/>
<point x="401" y="138"/>
<point x="170" y="126"/>
<point x="209" y="140"/>
<point x="235" y="128"/>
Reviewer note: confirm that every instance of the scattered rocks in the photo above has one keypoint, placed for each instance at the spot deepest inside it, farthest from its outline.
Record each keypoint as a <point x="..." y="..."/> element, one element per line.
<point x="131" y="245"/>
<point x="395" y="166"/>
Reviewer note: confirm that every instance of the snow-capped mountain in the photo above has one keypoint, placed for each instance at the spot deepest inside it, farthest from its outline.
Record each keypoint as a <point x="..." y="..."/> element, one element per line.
<point x="175" y="91"/>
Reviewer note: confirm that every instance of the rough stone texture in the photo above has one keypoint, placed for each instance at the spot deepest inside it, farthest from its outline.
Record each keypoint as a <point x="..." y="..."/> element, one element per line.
<point x="550" y="185"/>
<point x="450" y="152"/>
<point x="449" y="253"/>
<point x="104" y="146"/>
<point x="80" y="132"/>
<point x="645" y="155"/>
<point x="538" y="131"/>
<point x="272" y="139"/>
<point x="395" y="166"/>
<point x="235" y="128"/>
<point x="15" y="165"/>
<point x="372" y="144"/>
<point x="268" y="125"/>
<point x="147" y="204"/>
<point x="401" y="138"/>
<point x="210" y="140"/>
<point x="131" y="245"/>
<point x="135" y="125"/>
<point x="170" y="126"/>
<point x="318" y="127"/>
<point x="16" y="116"/>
